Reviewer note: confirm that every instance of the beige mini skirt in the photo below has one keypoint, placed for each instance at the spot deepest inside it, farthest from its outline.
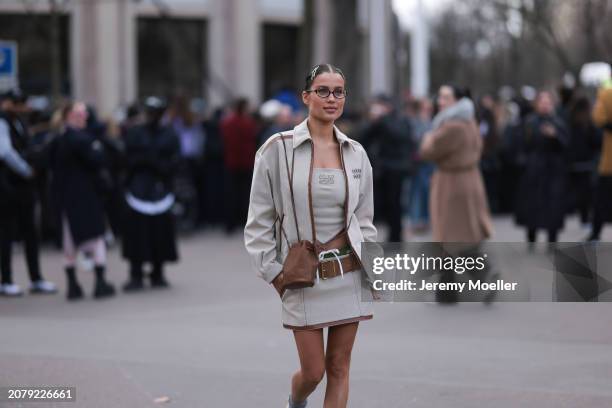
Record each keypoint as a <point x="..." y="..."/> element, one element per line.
<point x="330" y="302"/>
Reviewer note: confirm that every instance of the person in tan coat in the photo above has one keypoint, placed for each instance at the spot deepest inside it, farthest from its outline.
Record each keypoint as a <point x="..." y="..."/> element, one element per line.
<point x="458" y="203"/>
<point x="602" y="117"/>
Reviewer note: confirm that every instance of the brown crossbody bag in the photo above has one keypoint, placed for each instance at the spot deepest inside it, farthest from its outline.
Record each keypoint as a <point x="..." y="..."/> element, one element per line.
<point x="302" y="261"/>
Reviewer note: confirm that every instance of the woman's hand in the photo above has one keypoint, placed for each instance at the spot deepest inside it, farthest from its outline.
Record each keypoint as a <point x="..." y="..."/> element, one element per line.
<point x="548" y="130"/>
<point x="278" y="283"/>
<point x="375" y="294"/>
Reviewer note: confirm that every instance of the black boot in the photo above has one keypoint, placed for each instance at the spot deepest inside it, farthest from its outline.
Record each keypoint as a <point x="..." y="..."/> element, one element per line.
<point x="595" y="235"/>
<point x="74" y="289"/>
<point x="135" y="283"/>
<point x="446" y="297"/>
<point x="102" y="288"/>
<point x="157" y="277"/>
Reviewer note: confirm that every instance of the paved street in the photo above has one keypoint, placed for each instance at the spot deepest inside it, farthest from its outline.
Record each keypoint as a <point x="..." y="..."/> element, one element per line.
<point x="215" y="340"/>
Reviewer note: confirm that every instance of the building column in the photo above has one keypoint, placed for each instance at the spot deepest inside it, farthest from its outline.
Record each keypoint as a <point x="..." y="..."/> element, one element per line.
<point x="104" y="53"/>
<point x="419" y="50"/>
<point x="322" y="33"/>
<point x="380" y="47"/>
<point x="234" y="49"/>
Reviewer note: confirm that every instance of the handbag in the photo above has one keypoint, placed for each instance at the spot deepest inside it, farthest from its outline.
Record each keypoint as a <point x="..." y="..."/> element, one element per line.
<point x="300" y="266"/>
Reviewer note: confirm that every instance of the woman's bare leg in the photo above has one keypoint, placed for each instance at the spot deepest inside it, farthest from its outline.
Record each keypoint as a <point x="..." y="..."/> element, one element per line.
<point x="340" y="340"/>
<point x="312" y="363"/>
<point x="70" y="251"/>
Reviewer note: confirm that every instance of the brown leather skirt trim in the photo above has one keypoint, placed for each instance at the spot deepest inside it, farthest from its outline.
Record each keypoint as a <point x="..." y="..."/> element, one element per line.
<point x="328" y="324"/>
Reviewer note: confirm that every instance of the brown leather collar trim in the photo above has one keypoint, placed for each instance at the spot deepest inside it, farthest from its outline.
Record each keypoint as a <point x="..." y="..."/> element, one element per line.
<point x="346" y="189"/>
<point x="277" y="137"/>
<point x="328" y="324"/>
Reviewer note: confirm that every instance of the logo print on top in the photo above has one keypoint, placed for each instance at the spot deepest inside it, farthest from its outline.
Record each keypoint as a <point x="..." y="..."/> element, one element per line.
<point x="356" y="173"/>
<point x="326" y="179"/>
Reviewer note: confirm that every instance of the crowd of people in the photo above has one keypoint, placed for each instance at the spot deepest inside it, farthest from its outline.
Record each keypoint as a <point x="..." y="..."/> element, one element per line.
<point x="539" y="160"/>
<point x="80" y="179"/>
<point x="70" y="178"/>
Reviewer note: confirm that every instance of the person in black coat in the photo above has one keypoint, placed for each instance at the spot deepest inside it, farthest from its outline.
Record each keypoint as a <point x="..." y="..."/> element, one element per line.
<point x="152" y="156"/>
<point x="76" y="160"/>
<point x="542" y="192"/>
<point x="110" y="175"/>
<point x="214" y="171"/>
<point x="18" y="197"/>
<point x="512" y="154"/>
<point x="389" y="141"/>
<point x="489" y="161"/>
<point x="585" y="141"/>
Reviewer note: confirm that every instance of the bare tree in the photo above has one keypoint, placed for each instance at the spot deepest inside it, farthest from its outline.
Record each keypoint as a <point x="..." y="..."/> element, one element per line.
<point x="595" y="24"/>
<point x="567" y="27"/>
<point x="489" y="43"/>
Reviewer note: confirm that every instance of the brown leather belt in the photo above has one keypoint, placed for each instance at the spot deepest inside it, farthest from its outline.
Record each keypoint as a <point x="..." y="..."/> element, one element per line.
<point x="330" y="268"/>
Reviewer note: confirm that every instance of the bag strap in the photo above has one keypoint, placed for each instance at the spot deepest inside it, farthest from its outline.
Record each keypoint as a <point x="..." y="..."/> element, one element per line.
<point x="280" y="219"/>
<point x="290" y="175"/>
<point x="312" y="222"/>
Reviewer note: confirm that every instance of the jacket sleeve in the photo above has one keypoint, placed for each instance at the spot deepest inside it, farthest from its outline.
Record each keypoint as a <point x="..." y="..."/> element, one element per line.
<point x="563" y="135"/>
<point x="601" y="116"/>
<point x="441" y="142"/>
<point x="259" y="231"/>
<point x="364" y="211"/>
<point x="9" y="155"/>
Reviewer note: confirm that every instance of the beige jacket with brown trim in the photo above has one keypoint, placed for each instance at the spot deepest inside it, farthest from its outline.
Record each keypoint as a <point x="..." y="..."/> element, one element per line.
<point x="270" y="201"/>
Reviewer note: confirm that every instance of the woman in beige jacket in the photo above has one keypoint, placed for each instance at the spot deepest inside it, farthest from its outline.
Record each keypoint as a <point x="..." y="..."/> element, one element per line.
<point x="326" y="178"/>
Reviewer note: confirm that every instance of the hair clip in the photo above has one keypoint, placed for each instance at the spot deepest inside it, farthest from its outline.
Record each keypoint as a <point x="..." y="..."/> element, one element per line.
<point x="314" y="72"/>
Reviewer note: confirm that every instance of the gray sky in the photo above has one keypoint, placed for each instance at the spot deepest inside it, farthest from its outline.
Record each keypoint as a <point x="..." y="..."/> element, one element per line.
<point x="406" y="9"/>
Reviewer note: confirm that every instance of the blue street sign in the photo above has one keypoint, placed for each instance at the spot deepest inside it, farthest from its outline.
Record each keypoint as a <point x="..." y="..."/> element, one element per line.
<point x="8" y="64"/>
